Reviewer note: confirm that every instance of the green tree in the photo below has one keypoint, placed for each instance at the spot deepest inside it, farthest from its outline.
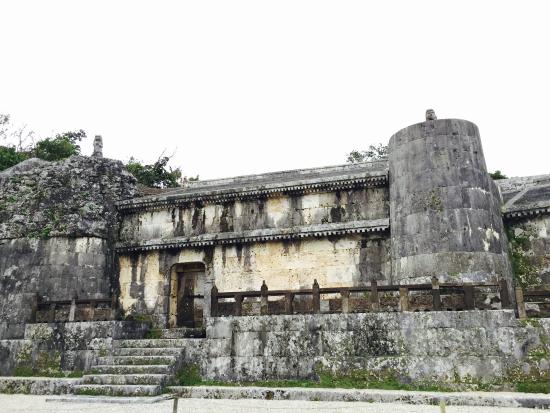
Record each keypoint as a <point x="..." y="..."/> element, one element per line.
<point x="60" y="147"/>
<point x="373" y="153"/>
<point x="497" y="175"/>
<point x="10" y="156"/>
<point x="156" y="175"/>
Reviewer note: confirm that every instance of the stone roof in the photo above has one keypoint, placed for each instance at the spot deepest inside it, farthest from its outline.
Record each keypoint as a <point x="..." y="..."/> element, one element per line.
<point x="268" y="184"/>
<point x="525" y="196"/>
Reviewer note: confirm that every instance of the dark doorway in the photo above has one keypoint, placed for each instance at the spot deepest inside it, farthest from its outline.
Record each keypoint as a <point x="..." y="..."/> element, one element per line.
<point x="189" y="300"/>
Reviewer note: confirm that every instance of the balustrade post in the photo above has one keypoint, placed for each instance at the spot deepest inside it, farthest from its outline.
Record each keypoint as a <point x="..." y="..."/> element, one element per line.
<point x="504" y="294"/>
<point x="374" y="297"/>
<point x="114" y="306"/>
<point x="436" y="294"/>
<point x="345" y="300"/>
<point x="316" y="298"/>
<point x="238" y="304"/>
<point x="522" y="313"/>
<point x="91" y="314"/>
<point x="72" y="311"/>
<point x="404" y="298"/>
<point x="264" y="306"/>
<point x="51" y="315"/>
<point x="289" y="298"/>
<point x="469" y="303"/>
<point x="214" y="301"/>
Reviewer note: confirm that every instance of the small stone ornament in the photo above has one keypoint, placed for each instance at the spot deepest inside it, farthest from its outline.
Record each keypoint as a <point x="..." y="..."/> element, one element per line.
<point x="430" y="114"/>
<point x="98" y="147"/>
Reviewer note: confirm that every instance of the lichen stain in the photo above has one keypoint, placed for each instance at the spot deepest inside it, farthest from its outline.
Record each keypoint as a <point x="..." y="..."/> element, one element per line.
<point x="286" y="246"/>
<point x="208" y="255"/>
<point x="247" y="255"/>
<point x="239" y="251"/>
<point x="167" y="258"/>
<point x="224" y="258"/>
<point x="337" y="213"/>
<point x="197" y="221"/>
<point x="180" y="225"/>
<point x="134" y="262"/>
<point x="226" y="219"/>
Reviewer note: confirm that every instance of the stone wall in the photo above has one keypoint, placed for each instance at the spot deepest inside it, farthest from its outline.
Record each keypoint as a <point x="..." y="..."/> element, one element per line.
<point x="58" y="226"/>
<point x="50" y="348"/>
<point x="334" y="261"/>
<point x="530" y="248"/>
<point x="238" y="216"/>
<point x="445" y="210"/>
<point x="411" y="346"/>
<point x="55" y="269"/>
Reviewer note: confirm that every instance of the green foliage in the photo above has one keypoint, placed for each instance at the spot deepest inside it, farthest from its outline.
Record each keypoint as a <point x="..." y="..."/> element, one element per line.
<point x="189" y="376"/>
<point x="10" y="156"/>
<point x="497" y="175"/>
<point x="525" y="266"/>
<point x="60" y="147"/>
<point x="533" y="387"/>
<point x="356" y="379"/>
<point x="153" y="334"/>
<point x="156" y="175"/>
<point x="373" y="153"/>
<point x="64" y="145"/>
<point x="45" y="364"/>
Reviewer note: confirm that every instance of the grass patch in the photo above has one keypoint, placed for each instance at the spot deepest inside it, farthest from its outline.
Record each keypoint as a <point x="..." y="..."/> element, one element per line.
<point x="153" y="334"/>
<point x="190" y="376"/>
<point x="98" y="392"/>
<point x="30" y="372"/>
<point x="360" y="379"/>
<point x="337" y="381"/>
<point x="533" y="387"/>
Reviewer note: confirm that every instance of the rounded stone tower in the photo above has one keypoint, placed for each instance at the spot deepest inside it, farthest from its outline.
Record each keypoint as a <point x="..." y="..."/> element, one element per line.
<point x="445" y="213"/>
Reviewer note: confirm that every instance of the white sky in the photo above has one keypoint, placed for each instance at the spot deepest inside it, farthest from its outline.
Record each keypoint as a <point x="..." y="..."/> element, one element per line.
<point x="240" y="87"/>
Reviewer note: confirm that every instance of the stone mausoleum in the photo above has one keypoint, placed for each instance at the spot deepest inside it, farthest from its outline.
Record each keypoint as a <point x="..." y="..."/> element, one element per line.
<point x="90" y="261"/>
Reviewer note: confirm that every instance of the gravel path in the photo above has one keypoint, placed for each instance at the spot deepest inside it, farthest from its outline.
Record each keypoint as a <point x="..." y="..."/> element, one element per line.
<point x="38" y="404"/>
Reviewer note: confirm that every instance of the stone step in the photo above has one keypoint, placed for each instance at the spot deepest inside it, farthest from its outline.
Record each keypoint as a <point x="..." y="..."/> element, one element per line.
<point x="137" y="360"/>
<point x="155" y="342"/>
<point x="179" y="333"/>
<point x="132" y="369"/>
<point x="116" y="390"/>
<point x="147" y="351"/>
<point x="121" y="379"/>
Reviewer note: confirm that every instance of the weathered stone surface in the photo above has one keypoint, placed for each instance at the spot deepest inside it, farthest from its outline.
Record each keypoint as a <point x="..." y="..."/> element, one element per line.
<point x="74" y="197"/>
<point x="412" y="346"/>
<point x="36" y="385"/>
<point x="500" y="399"/>
<point x="444" y="208"/>
<point x="65" y="346"/>
<point x="58" y="225"/>
<point x="55" y="269"/>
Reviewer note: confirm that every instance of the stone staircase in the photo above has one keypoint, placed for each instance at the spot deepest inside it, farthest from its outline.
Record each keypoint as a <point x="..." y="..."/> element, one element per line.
<point x="141" y="367"/>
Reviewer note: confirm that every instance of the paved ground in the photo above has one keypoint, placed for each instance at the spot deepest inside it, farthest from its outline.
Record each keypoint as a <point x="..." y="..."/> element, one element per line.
<point x="38" y="404"/>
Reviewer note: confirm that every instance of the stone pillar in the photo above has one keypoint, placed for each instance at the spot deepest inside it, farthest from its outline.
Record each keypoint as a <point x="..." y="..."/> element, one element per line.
<point x="444" y="208"/>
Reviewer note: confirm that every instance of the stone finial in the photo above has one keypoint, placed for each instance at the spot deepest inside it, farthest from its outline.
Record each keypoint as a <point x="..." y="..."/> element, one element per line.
<point x="98" y="147"/>
<point x="430" y="114"/>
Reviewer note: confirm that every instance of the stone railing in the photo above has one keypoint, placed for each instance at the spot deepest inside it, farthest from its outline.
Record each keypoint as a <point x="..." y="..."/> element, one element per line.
<point x="91" y="309"/>
<point x="412" y="297"/>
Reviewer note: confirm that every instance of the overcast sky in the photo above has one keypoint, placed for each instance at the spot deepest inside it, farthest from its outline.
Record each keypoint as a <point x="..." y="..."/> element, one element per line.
<point x="241" y="87"/>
